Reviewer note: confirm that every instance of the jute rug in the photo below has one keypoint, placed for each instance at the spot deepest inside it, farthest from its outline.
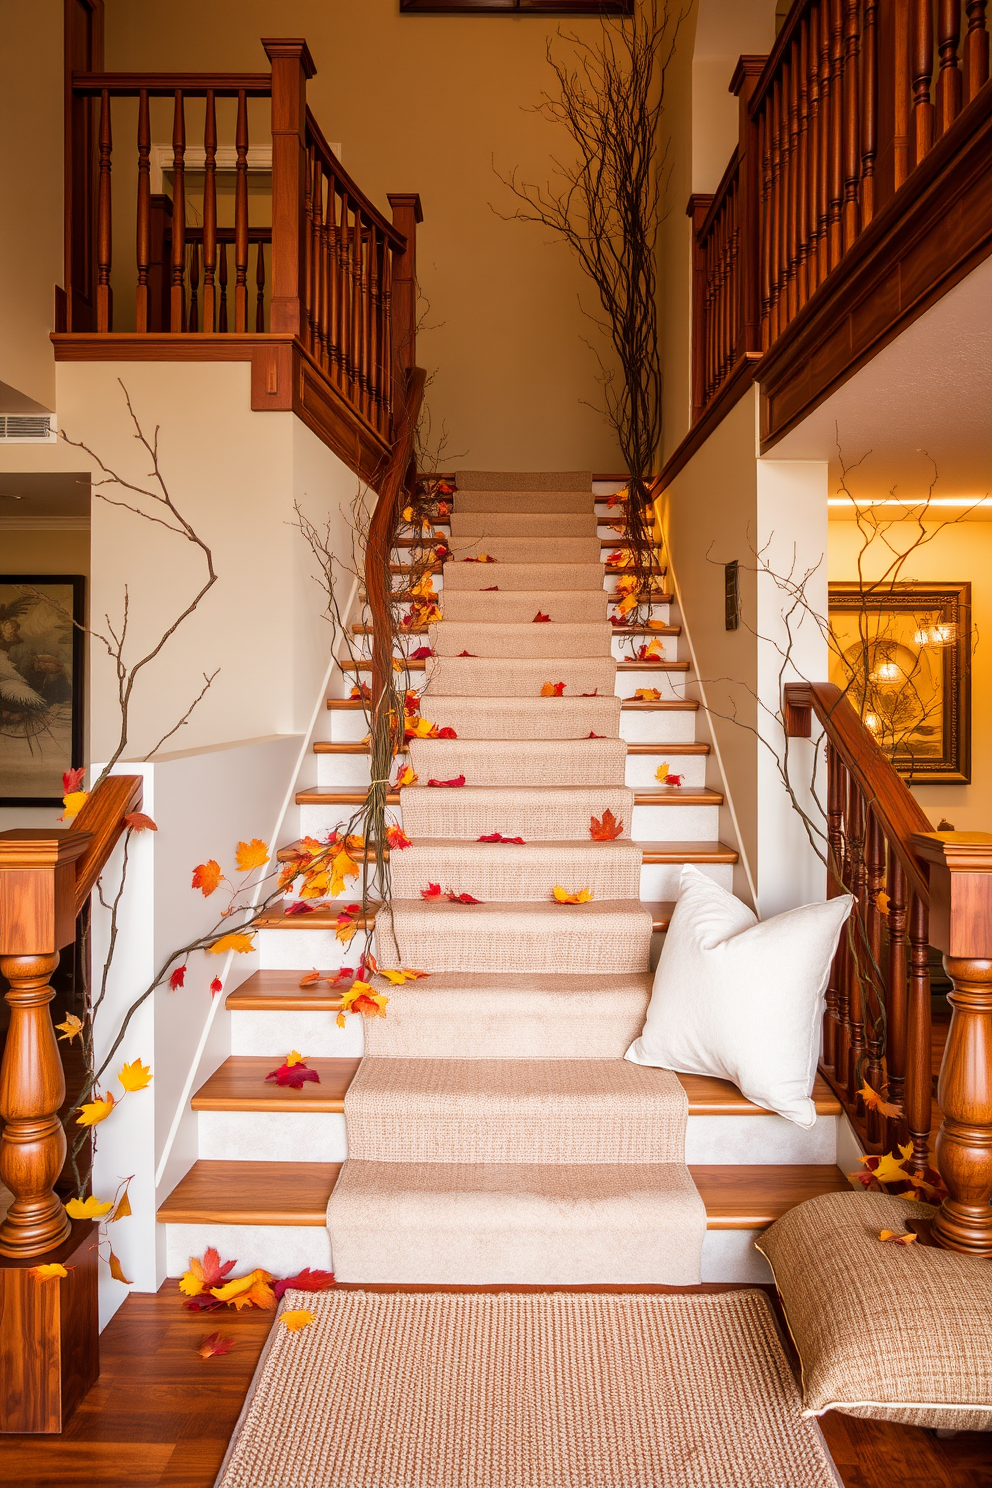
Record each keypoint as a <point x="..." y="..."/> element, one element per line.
<point x="539" y="1390"/>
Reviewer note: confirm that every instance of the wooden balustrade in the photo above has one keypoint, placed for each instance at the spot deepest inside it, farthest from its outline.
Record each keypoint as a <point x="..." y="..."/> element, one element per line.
<point x="326" y="270"/>
<point x="912" y="888"/>
<point x="833" y="124"/>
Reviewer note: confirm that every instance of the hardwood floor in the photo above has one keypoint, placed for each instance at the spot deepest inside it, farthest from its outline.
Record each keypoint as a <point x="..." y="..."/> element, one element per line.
<point x="161" y="1417"/>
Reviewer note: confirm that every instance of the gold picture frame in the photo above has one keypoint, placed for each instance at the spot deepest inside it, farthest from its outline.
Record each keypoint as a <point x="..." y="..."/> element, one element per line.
<point x="902" y="653"/>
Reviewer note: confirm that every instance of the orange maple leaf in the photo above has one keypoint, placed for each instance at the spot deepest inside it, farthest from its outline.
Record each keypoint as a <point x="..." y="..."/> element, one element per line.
<point x="397" y="839"/>
<point x="605" y="829"/>
<point x="894" y="1237"/>
<point x="139" y="822"/>
<point x="206" y="877"/>
<point x="309" y="977"/>
<point x="214" y="1343"/>
<point x="648" y="695"/>
<point x="562" y="896"/>
<point x="253" y="854"/>
<point x="553" y="689"/>
<point x="874" y="1102"/>
<point x="294" y="1321"/>
<point x="232" y="942"/>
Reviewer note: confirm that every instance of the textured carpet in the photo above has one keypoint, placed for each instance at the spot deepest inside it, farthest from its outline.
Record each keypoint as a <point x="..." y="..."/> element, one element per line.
<point x="509" y="607"/>
<point x="553" y="1390"/>
<point x="511" y="871"/>
<point x="527" y="718"/>
<point x="555" y="574"/>
<point x="522" y="524"/>
<point x="522" y="639"/>
<point x="513" y="677"/>
<point x="537" y="813"/>
<point x="545" y="762"/>
<point x="554" y="481"/>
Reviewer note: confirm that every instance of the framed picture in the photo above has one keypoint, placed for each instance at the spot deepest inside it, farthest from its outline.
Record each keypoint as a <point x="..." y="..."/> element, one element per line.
<point x="903" y="653"/>
<point x="41" y="685"/>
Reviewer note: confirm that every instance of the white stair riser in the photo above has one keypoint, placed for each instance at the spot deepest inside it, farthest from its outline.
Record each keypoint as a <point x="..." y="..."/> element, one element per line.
<point x="661" y="880"/>
<point x="759" y="1139"/>
<point x="673" y="726"/>
<point x="625" y="648"/>
<point x="283" y="1250"/>
<point x="316" y="1035"/>
<point x="345" y="771"/>
<point x="729" y="1255"/>
<point x="675" y="824"/>
<point x="289" y="950"/>
<point x="349" y="726"/>
<point x="669" y="684"/>
<point x="271" y="1136"/>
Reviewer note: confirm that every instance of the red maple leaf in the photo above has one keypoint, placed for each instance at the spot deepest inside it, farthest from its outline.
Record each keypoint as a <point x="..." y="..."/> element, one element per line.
<point x="458" y="780"/>
<point x="607" y="830"/>
<point x="594" y="693"/>
<point x="305" y="1281"/>
<point x="490" y="590"/>
<point x="214" y="1269"/>
<point x="212" y="1344"/>
<point x="397" y="839"/>
<point x="596" y="736"/>
<point x="467" y="653"/>
<point x="498" y="837"/>
<point x="298" y="907"/>
<point x="673" y="779"/>
<point x="447" y="733"/>
<point x="177" y="979"/>
<point x="539" y="617"/>
<point x="462" y="898"/>
<point x="293" y="1075"/>
<point x="72" y="780"/>
<point x="216" y="986"/>
<point x="421" y="653"/>
<point x="343" y="974"/>
<point x="139" y="822"/>
<point x="432" y="891"/>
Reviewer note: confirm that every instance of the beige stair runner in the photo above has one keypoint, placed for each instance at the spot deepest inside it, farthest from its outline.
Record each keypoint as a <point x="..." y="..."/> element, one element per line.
<point x="495" y="1133"/>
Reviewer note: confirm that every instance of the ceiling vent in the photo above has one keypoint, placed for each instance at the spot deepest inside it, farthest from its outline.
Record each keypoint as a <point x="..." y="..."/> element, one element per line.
<point x="27" y="426"/>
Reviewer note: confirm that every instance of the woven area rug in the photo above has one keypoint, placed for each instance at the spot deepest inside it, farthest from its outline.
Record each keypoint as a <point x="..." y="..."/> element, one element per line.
<point x="539" y="1390"/>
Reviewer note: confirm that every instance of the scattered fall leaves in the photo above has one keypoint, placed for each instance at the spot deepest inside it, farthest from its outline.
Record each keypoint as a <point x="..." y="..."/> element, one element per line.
<point x="874" y="1102"/>
<point x="88" y="1208"/>
<point x="434" y="891"/>
<point x="73" y="779"/>
<point x="480" y="558"/>
<point x="562" y="896"/>
<point x="50" y="1271"/>
<point x="178" y="978"/>
<point x="421" y="653"/>
<point x="137" y="821"/>
<point x="458" y="780"/>
<point x="664" y="775"/>
<point x="71" y="1028"/>
<point x="206" y="1285"/>
<point x="605" y="828"/>
<point x="207" y="876"/>
<point x="95" y="1111"/>
<point x="896" y="1237"/>
<point x="362" y="998"/>
<point x="647" y="695"/>
<point x="249" y="855"/>
<point x="236" y="941"/>
<point x="493" y="589"/>
<point x="407" y="776"/>
<point x="498" y="837"/>
<point x="396" y="838"/>
<point x="294" y="1072"/>
<point x="135" y="1076"/>
<point x="299" y="907"/>
<point x="304" y="1281"/>
<point x="539" y="618"/>
<point x="553" y="689"/>
<point x="397" y="975"/>
<point x="212" y="1344"/>
<point x="653" y="651"/>
<point x="294" y="1321"/>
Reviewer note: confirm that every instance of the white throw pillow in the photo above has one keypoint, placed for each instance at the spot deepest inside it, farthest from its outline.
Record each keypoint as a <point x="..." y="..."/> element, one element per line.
<point x="740" y="998"/>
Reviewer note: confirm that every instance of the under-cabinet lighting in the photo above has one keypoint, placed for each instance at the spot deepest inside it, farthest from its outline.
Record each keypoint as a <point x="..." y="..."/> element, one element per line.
<point x="907" y="504"/>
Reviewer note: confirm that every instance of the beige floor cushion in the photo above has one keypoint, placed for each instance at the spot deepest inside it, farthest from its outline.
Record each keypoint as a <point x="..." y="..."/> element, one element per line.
<point x="893" y="1332"/>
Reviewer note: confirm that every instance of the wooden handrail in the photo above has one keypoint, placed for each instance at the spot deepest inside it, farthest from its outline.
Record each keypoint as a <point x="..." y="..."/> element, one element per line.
<point x="893" y="803"/>
<point x="102" y="819"/>
<point x="167" y="84"/>
<point x="332" y="166"/>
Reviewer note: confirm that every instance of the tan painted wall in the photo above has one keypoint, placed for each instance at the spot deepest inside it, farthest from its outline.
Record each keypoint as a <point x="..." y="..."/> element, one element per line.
<point x="961" y="551"/>
<point x="428" y="103"/>
<point x="31" y="197"/>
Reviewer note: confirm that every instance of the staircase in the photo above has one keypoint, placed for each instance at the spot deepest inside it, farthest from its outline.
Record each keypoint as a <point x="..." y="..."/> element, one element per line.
<point x="495" y="1132"/>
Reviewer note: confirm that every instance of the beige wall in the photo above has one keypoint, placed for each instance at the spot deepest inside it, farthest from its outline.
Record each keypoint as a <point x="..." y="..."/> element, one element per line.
<point x="428" y="104"/>
<point x="31" y="198"/>
<point x="959" y="552"/>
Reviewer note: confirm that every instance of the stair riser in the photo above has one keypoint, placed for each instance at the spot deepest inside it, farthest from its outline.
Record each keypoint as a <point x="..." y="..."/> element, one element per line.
<point x="625" y="648"/>
<point x="673" y="726"/>
<point x="315" y="1035"/>
<point x="671" y="685"/>
<point x="660" y="881"/>
<point x="291" y="950"/>
<point x="641" y="770"/>
<point x="283" y="1250"/>
<point x="675" y="824"/>
<point x="271" y="1136"/>
<point x="759" y="1139"/>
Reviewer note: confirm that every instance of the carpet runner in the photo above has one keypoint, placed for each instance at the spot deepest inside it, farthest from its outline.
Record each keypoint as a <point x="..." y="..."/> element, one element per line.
<point x="495" y="1132"/>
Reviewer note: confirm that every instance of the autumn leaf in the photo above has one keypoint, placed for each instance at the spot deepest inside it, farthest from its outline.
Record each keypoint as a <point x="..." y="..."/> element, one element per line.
<point x="71" y="1028"/>
<point x="73" y="779"/>
<point x="304" y="1281"/>
<point x="295" y="1075"/>
<point x="480" y="558"/>
<point x="468" y="653"/>
<point x="177" y="978"/>
<point x="361" y="998"/>
<point x="50" y="1271"/>
<point x="361" y="690"/>
<point x="552" y="689"/>
<point x="397" y="975"/>
<point x="206" y="877"/>
<point x="421" y="653"/>
<point x="299" y="907"/>
<point x="216" y="986"/>
<point x="894" y="1237"/>
<point x="446" y="733"/>
<point x="662" y="772"/>
<point x="95" y="1111"/>
<point x="874" y="1102"/>
<point x="249" y="855"/>
<point x="594" y="693"/>
<point x="651" y="652"/>
<point x="432" y="891"/>
<point x="882" y="904"/>
<point x="407" y="514"/>
<point x="539" y="618"/>
<point x="204" y="1273"/>
<point x="259" y="1294"/>
<point x="886" y="1169"/>
<point x="454" y="898"/>
<point x="458" y="780"/>
<point x="345" y="928"/>
<point x="212" y="1344"/>
<point x="234" y="1288"/>
<point x="592" y="735"/>
<point x="135" y="1076"/>
<point x="498" y="837"/>
<point x="562" y="896"/>
<point x="493" y="589"/>
<point x="675" y="780"/>
<point x="236" y="941"/>
<point x="342" y="868"/>
<point x="116" y="1270"/>
<point x="309" y="978"/>
<point x="648" y="695"/>
<point x="406" y="776"/>
<point x="123" y="1209"/>
<point x="137" y="821"/>
<point x="73" y="801"/>
<point x="605" y="828"/>
<point x="396" y="838"/>
<point x="88" y="1208"/>
<point x="418" y="728"/>
<point x="294" y="1321"/>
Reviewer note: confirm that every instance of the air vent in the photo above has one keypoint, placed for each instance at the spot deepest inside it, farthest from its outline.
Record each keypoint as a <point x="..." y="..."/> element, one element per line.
<point x="27" y="426"/>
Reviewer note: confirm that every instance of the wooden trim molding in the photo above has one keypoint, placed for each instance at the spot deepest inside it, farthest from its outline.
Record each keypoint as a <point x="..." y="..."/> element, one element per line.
<point x="517" y="7"/>
<point x="739" y="379"/>
<point x="284" y="378"/>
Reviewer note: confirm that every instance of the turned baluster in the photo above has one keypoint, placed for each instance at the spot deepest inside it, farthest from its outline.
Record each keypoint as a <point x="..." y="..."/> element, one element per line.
<point x="775" y="218"/>
<point x="314" y="236"/>
<point x="363" y="317"/>
<point x="803" y="179"/>
<point x="896" y="998"/>
<point x="375" y="357"/>
<point x="241" y="215"/>
<point x="961" y="927"/>
<point x="37" y="918"/>
<point x="835" y="886"/>
<point x="260" y="286"/>
<point x="921" y="63"/>
<point x="874" y="985"/>
<point x="869" y="109"/>
<point x="919" y="1037"/>
<point x="835" y="187"/>
<point x="222" y="285"/>
<point x="976" y="49"/>
<point x="843" y="959"/>
<point x="333" y="312"/>
<point x="813" y="152"/>
<point x="387" y="341"/>
<point x="209" y="214"/>
<point x="949" y="76"/>
<point x="193" y="323"/>
<point x="764" y="214"/>
<point x="177" y="294"/>
<point x="104" y="309"/>
<point x="790" y="130"/>
<point x="852" y="132"/>
<point x="823" y="176"/>
<point x="855" y="833"/>
<point x="143" y="225"/>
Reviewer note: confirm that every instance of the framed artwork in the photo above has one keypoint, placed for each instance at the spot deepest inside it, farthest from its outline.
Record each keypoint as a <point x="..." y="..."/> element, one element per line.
<point x="517" y="7"/>
<point x="903" y="653"/>
<point x="41" y="685"/>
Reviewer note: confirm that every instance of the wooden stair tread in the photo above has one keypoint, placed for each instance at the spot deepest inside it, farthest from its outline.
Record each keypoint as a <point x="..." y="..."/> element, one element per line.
<point x="280" y="991"/>
<point x="325" y="918"/>
<point x="621" y="630"/>
<point x="240" y="1085"/>
<point x="326" y="746"/>
<point x="651" y="852"/>
<point x="658" y="665"/>
<point x="709" y="1096"/>
<point x="666" y="705"/>
<point x="277" y="1193"/>
<point x="670" y="795"/>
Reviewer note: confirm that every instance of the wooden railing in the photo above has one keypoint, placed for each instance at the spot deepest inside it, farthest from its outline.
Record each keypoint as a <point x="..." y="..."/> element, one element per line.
<point x="311" y="258"/>
<point x="913" y="888"/>
<point x="832" y="125"/>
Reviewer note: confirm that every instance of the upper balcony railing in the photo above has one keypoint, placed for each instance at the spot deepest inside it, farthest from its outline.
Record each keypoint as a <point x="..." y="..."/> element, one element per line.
<point x="228" y="214"/>
<point x="834" y="124"/>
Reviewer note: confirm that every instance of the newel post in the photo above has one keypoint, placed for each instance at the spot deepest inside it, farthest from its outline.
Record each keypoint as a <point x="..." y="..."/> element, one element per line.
<point x="37" y="918"/>
<point x="292" y="65"/>
<point x="407" y="212"/>
<point x="961" y="927"/>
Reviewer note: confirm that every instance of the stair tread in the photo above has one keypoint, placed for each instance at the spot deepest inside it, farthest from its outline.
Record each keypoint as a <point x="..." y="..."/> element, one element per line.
<point x="658" y="665"/>
<point x="636" y="705"/>
<point x="276" y="1193"/>
<point x="239" y="1084"/>
<point x="671" y="795"/>
<point x="620" y="630"/>
<point x="325" y="918"/>
<point x="327" y="746"/>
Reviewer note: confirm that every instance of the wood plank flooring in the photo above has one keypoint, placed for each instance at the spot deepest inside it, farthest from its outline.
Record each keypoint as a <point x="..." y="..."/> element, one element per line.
<point x="161" y="1417"/>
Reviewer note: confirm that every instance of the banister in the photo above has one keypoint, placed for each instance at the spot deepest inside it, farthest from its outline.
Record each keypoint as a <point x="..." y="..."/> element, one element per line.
<point x="727" y="180"/>
<point x="332" y="164"/>
<point x="895" y="806"/>
<point x="167" y="84"/>
<point x="102" y="820"/>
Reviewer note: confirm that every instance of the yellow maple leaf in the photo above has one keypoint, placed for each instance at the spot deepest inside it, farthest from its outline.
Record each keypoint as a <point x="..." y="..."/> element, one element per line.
<point x="135" y="1076"/>
<point x="253" y="854"/>
<point x="116" y="1269"/>
<point x="662" y="772"/>
<point x="233" y="1288"/>
<point x="192" y="1282"/>
<point x="315" y="884"/>
<point x="345" y="931"/>
<point x="874" y="1102"/>
<point x="654" y="652"/>
<point x="95" y="1111"/>
<point x="882" y="904"/>
<point x="407" y="776"/>
<point x="259" y="1294"/>
<point x="408" y="514"/>
<point x="897" y="1237"/>
<point x="89" y="1208"/>
<point x="294" y="1321"/>
<point x="648" y="695"/>
<point x="889" y="1170"/>
<point x="421" y="728"/>
<point x="49" y="1271"/>
<point x="233" y="942"/>
<point x="294" y="1057"/>
<point x="562" y="896"/>
<point x="342" y="868"/>
<point x="73" y="804"/>
<point x="72" y="1027"/>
